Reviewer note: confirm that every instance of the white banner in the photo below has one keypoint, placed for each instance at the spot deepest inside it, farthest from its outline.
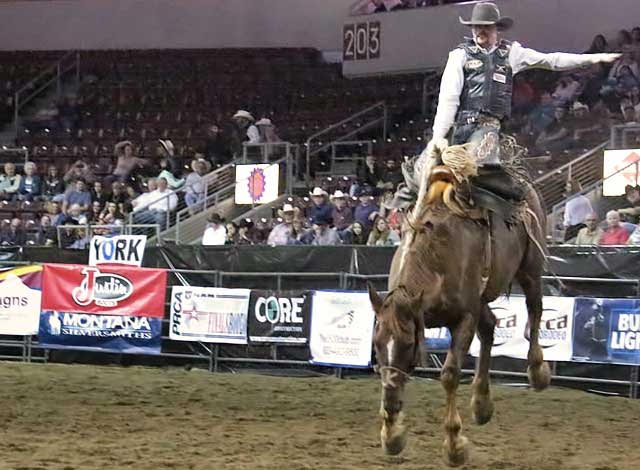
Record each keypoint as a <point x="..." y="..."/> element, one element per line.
<point x="341" y="328"/>
<point x="119" y="249"/>
<point x="256" y="184"/>
<point x="509" y="337"/>
<point x="19" y="307"/>
<point x="209" y="314"/>
<point x="619" y="171"/>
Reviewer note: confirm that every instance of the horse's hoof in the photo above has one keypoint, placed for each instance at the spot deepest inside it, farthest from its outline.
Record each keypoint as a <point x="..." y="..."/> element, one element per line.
<point x="539" y="377"/>
<point x="481" y="408"/>
<point x="393" y="440"/>
<point x="457" y="454"/>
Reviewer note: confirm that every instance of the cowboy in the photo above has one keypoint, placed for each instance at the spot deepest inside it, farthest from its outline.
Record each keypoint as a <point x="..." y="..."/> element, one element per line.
<point x="320" y="204"/>
<point x="476" y="91"/>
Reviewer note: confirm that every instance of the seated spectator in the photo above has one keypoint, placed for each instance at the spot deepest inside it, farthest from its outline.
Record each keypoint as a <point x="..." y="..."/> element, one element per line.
<point x="369" y="174"/>
<point x="144" y="199"/>
<point x="355" y="235"/>
<point x="392" y="175"/>
<point x="172" y="162"/>
<point x="342" y="215"/>
<point x="232" y="234"/>
<point x="52" y="185"/>
<point x="623" y="40"/>
<point x="567" y="90"/>
<point x="79" y="170"/>
<point x="111" y="215"/>
<point x="79" y="195"/>
<point x="366" y="211"/>
<point x="628" y="113"/>
<point x="73" y="216"/>
<point x="163" y="201"/>
<point x="172" y="180"/>
<point x="382" y="235"/>
<point x="591" y="233"/>
<point x="300" y="234"/>
<point x="54" y="212"/>
<point x="9" y="182"/>
<point x="556" y="136"/>
<point x="14" y="235"/>
<point x="119" y="196"/>
<point x="320" y="206"/>
<point x="632" y="210"/>
<point x="126" y="161"/>
<point x="581" y="123"/>
<point x="598" y="45"/>
<point x="99" y="194"/>
<point x="47" y="234"/>
<point x="30" y="186"/>
<point x="244" y="232"/>
<point x="281" y="233"/>
<point x="576" y="210"/>
<point x="615" y="234"/>
<point x="261" y="231"/>
<point x="542" y="115"/>
<point x="215" y="233"/>
<point x="195" y="185"/>
<point x="322" y="234"/>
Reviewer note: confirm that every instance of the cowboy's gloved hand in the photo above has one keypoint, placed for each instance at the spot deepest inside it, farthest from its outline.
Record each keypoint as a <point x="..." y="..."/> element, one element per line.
<point x="436" y="146"/>
<point x="606" y="58"/>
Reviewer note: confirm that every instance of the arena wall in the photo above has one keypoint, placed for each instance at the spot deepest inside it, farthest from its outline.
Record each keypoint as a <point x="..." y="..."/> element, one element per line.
<point x="424" y="33"/>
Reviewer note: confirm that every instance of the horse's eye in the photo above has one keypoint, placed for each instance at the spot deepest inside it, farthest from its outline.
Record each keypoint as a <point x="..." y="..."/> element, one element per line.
<point x="428" y="225"/>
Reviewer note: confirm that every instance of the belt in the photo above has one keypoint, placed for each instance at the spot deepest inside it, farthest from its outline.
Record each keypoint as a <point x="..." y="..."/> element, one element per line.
<point x="479" y="119"/>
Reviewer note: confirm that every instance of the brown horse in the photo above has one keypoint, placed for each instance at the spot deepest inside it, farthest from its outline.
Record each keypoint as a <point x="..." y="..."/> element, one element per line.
<point x="453" y="261"/>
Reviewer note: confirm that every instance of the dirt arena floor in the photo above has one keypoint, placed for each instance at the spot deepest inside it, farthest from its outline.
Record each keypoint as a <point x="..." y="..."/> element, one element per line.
<point x="89" y="417"/>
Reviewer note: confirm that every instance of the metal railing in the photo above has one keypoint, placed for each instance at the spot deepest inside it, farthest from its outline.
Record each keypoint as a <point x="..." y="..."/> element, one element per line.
<point x="269" y="152"/>
<point x="621" y="136"/>
<point x="374" y="122"/>
<point x="43" y="81"/>
<point x="586" y="169"/>
<point x="593" y="192"/>
<point x="89" y="230"/>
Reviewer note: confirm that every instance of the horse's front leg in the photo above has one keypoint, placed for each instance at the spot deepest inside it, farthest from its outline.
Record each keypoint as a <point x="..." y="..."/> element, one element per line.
<point x="481" y="403"/>
<point x="455" y="444"/>
<point x="393" y="434"/>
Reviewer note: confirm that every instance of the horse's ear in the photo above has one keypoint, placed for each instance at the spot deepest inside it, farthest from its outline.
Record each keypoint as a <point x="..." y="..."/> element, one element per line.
<point x="376" y="301"/>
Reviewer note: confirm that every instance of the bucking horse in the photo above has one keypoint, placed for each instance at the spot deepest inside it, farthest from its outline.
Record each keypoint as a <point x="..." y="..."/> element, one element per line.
<point x="460" y="250"/>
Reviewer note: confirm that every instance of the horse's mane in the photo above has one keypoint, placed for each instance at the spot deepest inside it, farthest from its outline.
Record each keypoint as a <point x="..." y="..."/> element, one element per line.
<point x="402" y="315"/>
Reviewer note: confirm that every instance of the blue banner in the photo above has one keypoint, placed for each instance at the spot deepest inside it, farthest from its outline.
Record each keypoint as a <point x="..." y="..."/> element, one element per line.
<point x="103" y="333"/>
<point x="607" y="330"/>
<point x="437" y="339"/>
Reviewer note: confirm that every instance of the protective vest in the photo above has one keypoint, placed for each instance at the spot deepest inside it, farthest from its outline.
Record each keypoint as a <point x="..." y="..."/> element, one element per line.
<point x="488" y="81"/>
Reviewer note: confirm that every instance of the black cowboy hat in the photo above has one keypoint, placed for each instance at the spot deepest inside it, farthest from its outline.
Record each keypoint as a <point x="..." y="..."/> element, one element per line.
<point x="487" y="13"/>
<point x="215" y="219"/>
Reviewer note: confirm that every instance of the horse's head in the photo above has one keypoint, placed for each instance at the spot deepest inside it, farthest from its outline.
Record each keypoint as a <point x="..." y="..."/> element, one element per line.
<point x="399" y="334"/>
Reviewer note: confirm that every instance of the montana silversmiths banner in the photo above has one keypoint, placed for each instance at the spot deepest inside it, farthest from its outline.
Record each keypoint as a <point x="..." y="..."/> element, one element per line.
<point x="19" y="303"/>
<point x="104" y="290"/>
<point x="279" y="316"/>
<point x="341" y="328"/>
<point x="103" y="333"/>
<point x="209" y="314"/>
<point x="607" y="330"/>
<point x="511" y="338"/>
<point x="119" y="249"/>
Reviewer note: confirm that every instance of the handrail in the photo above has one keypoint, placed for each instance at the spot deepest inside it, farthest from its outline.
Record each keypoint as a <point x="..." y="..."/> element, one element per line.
<point x="344" y="121"/>
<point x="568" y="165"/>
<point x="125" y="229"/>
<point x="44" y="72"/>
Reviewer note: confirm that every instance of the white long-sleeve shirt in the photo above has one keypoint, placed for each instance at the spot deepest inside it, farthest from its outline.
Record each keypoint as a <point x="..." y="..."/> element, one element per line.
<point x="161" y="202"/>
<point x="576" y="210"/>
<point x="520" y="58"/>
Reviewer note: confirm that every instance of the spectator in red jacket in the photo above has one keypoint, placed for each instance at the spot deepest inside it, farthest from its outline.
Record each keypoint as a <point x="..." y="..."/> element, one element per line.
<point x="615" y="234"/>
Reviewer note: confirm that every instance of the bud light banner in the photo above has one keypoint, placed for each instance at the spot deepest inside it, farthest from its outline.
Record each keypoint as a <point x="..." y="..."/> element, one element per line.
<point x="102" y="333"/>
<point x="607" y="330"/>
<point x="279" y="317"/>
<point x="104" y="290"/>
<point x="119" y="249"/>
<point x="209" y="314"/>
<point x="341" y="329"/>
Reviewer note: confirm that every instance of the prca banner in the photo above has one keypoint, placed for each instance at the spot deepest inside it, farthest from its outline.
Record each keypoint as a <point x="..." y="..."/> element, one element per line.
<point x="341" y="328"/>
<point x="209" y="314"/>
<point x="104" y="290"/>
<point x="103" y="333"/>
<point x="119" y="249"/>
<point x="279" y="317"/>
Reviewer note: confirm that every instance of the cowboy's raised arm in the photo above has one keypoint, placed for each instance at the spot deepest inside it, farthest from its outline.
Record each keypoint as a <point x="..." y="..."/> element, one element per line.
<point x="450" y="90"/>
<point x="522" y="58"/>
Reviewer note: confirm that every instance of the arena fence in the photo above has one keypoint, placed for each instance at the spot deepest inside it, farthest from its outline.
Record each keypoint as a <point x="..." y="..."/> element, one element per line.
<point x="216" y="356"/>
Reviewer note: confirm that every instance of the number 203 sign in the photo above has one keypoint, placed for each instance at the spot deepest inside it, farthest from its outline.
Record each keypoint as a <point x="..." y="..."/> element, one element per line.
<point x="361" y="41"/>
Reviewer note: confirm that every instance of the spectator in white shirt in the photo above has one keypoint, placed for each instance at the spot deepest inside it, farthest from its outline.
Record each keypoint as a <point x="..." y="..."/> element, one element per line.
<point x="145" y="198"/>
<point x="576" y="210"/>
<point x="215" y="233"/>
<point x="160" y="204"/>
<point x="194" y="187"/>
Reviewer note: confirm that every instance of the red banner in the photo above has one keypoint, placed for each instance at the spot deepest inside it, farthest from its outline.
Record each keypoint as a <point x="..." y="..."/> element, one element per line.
<point x="107" y="290"/>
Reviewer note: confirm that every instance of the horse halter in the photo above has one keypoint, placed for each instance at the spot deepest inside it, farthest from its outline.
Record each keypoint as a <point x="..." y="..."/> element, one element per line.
<point x="379" y="369"/>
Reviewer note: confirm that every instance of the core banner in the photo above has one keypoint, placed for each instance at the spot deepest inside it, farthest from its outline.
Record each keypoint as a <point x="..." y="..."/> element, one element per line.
<point x="104" y="290"/>
<point x="279" y="317"/>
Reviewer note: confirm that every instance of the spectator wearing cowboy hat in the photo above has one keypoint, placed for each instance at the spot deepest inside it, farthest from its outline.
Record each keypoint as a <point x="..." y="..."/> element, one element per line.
<point x="281" y="233"/>
<point x="215" y="233"/>
<point x="366" y="211"/>
<point x="268" y="136"/>
<point x="195" y="185"/>
<point x="320" y="206"/>
<point x="322" y="234"/>
<point x="342" y="215"/>
<point x="168" y="153"/>
<point x="245" y="237"/>
<point x="243" y="131"/>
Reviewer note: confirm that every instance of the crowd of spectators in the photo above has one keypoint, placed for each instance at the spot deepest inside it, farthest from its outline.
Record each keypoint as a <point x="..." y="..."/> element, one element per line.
<point x="368" y="7"/>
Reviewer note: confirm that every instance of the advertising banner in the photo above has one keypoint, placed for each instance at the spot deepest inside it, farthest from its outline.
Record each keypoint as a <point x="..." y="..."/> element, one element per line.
<point x="209" y="314"/>
<point x="620" y="169"/>
<point x="119" y="249"/>
<point x="437" y="339"/>
<point x="607" y="330"/>
<point x="104" y="333"/>
<point x="341" y="328"/>
<point x="107" y="290"/>
<point x="279" y="317"/>
<point x="256" y="184"/>
<point x="19" y="303"/>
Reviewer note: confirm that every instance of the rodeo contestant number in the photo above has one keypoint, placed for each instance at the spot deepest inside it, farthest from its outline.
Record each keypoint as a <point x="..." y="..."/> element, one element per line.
<point x="361" y="41"/>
